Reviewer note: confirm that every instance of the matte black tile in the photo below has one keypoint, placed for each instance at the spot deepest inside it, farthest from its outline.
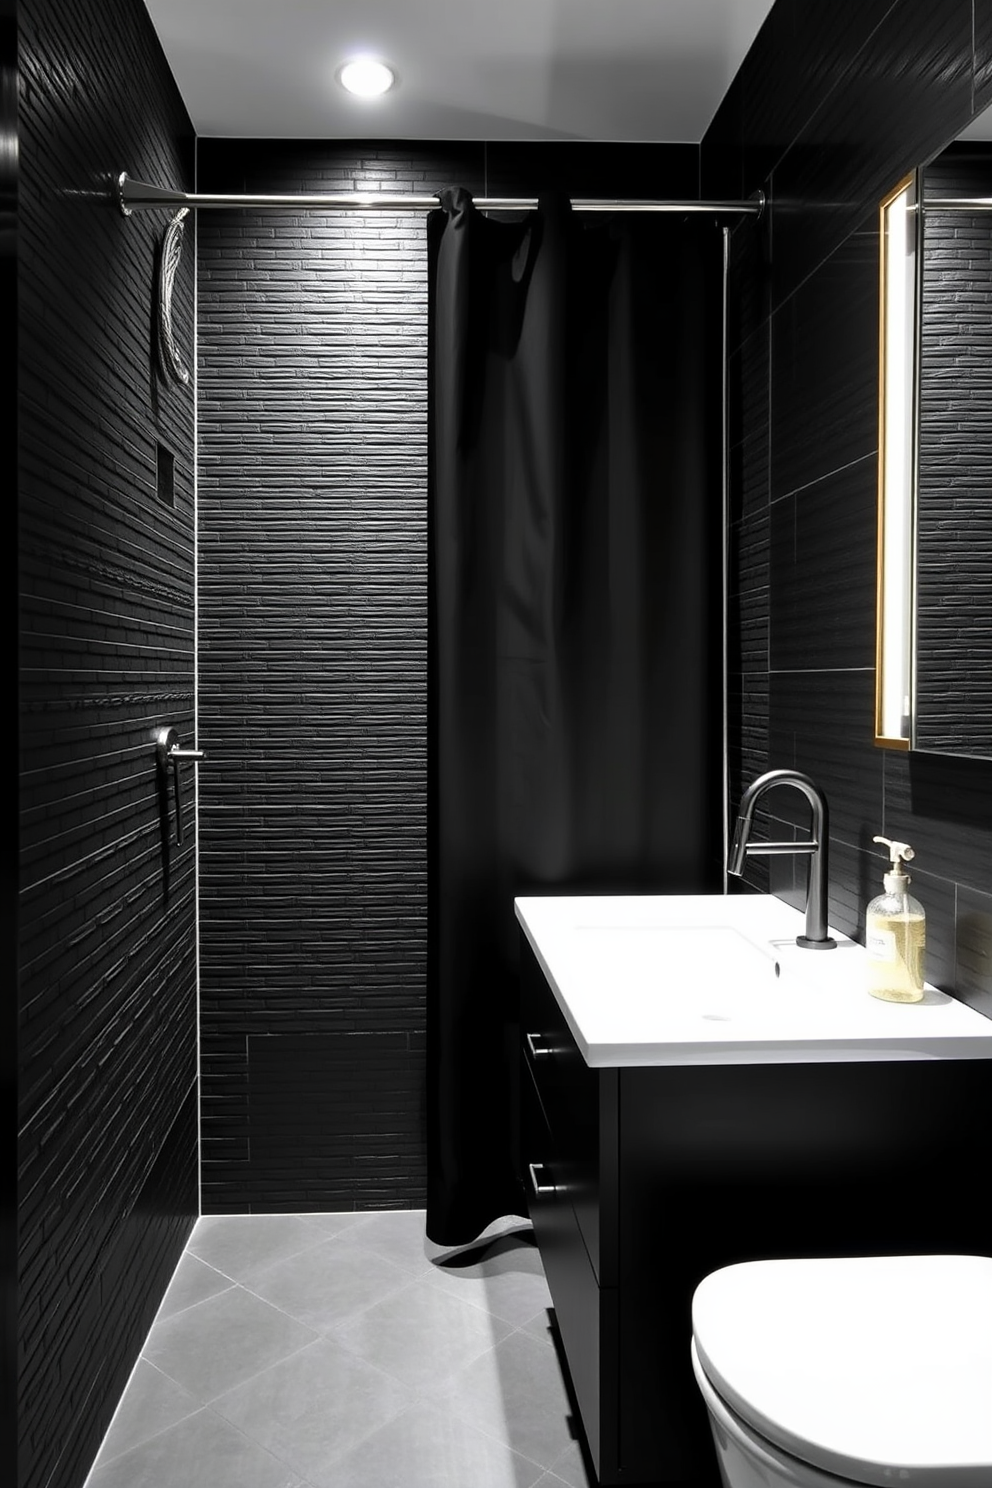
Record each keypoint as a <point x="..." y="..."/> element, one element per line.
<point x="720" y="156"/>
<point x="823" y="573"/>
<point x="824" y="354"/>
<point x="748" y="553"/>
<point x="747" y="475"/>
<point x="801" y="54"/>
<point x="583" y="168"/>
<point x="823" y="723"/>
<point x="855" y="879"/>
<point x="973" y="978"/>
<point x="905" y="94"/>
<point x="942" y="805"/>
<point x="747" y="754"/>
<point x="851" y="875"/>
<point x="747" y="630"/>
<point x="983" y="54"/>
<point x="954" y="513"/>
<point x="749" y="280"/>
<point x="425" y="166"/>
<point x="748" y="389"/>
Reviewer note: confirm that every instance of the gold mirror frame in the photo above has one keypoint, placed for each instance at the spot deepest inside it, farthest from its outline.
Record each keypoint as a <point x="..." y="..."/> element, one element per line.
<point x="899" y="269"/>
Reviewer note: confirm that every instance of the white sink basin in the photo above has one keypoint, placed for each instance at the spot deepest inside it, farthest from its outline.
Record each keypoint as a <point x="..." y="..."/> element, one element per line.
<point x="709" y="979"/>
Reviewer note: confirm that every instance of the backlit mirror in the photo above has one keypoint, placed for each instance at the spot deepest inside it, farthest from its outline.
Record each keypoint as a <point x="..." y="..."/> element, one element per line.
<point x="934" y="663"/>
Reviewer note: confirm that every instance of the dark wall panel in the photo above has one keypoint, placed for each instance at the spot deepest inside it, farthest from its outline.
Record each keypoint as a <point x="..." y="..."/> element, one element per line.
<point x="313" y="657"/>
<point x="108" y="1178"/>
<point x="954" y="512"/>
<point x="824" y="133"/>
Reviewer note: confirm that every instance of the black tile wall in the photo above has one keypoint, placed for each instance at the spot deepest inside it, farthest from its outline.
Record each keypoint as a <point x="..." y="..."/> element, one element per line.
<point x="824" y="352"/>
<point x="107" y="1022"/>
<point x="312" y="338"/>
<point x="903" y="94"/>
<point x="954" y="513"/>
<point x="826" y="125"/>
<point x="983" y="53"/>
<point x="799" y="57"/>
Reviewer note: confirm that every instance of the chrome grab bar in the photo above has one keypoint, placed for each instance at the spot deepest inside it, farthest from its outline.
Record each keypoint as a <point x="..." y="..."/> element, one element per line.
<point x="539" y="1188"/>
<point x="535" y="1051"/>
<point x="168" y="751"/>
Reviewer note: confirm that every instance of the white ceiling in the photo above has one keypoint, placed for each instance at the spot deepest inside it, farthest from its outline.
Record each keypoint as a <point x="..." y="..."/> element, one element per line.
<point x="467" y="69"/>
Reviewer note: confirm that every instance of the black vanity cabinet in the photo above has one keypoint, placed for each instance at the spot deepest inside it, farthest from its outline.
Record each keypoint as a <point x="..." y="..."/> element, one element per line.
<point x="643" y="1180"/>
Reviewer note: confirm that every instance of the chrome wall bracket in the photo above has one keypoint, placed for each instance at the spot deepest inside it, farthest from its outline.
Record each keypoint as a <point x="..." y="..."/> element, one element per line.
<point x="168" y="751"/>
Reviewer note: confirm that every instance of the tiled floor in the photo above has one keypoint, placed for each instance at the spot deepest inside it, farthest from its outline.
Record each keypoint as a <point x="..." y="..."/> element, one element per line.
<point x="332" y="1351"/>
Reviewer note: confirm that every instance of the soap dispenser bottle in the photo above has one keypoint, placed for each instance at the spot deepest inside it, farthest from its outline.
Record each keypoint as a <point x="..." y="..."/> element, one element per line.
<point x="895" y="934"/>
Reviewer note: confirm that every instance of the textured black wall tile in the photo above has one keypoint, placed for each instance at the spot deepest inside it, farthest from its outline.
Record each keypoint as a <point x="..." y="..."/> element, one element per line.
<point x="749" y="280"/>
<point x="799" y="57"/>
<point x="954" y="512"/>
<point x="973" y="976"/>
<point x="823" y="573"/>
<point x="748" y="456"/>
<point x="943" y="806"/>
<point x="748" y="403"/>
<point x="824" y="353"/>
<point x="359" y="1096"/>
<point x="313" y="611"/>
<point x="720" y="165"/>
<point x="907" y="90"/>
<point x="820" y="723"/>
<point x="582" y="168"/>
<point x="107" y="997"/>
<point x="983" y="54"/>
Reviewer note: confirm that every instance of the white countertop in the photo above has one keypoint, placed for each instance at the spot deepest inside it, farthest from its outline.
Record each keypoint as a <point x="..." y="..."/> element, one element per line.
<point x="714" y="979"/>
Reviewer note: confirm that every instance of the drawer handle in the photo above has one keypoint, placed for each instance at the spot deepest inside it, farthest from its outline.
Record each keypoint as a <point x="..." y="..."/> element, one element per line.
<point x="538" y="1187"/>
<point x="536" y="1051"/>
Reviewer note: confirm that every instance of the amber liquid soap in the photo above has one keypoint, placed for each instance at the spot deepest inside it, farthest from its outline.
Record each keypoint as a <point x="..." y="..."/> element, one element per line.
<point x="896" y="945"/>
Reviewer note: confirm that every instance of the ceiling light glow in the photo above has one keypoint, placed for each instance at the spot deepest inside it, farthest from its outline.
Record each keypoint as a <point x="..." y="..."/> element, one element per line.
<point x="366" y="78"/>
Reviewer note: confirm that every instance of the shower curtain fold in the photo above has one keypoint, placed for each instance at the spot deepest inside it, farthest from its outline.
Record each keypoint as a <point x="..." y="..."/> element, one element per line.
<point x="575" y="696"/>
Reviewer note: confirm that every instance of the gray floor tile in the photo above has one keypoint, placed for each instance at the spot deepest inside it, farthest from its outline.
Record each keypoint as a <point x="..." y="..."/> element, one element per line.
<point x="222" y="1342"/>
<point x="240" y="1245"/>
<point x="398" y="1234"/>
<point x="334" y="1224"/>
<point x="200" y="1451"/>
<point x="192" y="1281"/>
<point x="505" y="1276"/>
<point x="315" y="1394"/>
<point x="313" y="1408"/>
<point x="150" y="1403"/>
<point x="540" y="1327"/>
<point x="517" y="1394"/>
<point x="570" y="1468"/>
<point x="327" y="1284"/>
<point x="424" y="1448"/>
<point x="422" y="1334"/>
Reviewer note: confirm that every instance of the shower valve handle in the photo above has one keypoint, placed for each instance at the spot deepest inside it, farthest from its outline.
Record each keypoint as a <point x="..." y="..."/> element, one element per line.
<point x="168" y="751"/>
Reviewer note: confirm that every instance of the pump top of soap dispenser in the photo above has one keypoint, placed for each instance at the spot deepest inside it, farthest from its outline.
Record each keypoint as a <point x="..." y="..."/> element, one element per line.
<point x="896" y="880"/>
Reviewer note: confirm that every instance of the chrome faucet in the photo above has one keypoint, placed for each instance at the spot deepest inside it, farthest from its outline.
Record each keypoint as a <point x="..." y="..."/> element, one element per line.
<point x="816" y="937"/>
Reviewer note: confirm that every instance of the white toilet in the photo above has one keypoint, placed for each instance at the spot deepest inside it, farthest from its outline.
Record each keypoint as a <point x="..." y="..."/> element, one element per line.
<point x="839" y="1372"/>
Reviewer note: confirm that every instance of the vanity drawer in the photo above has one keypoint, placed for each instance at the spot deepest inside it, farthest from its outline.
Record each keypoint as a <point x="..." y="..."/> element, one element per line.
<point x="580" y="1108"/>
<point x="586" y="1315"/>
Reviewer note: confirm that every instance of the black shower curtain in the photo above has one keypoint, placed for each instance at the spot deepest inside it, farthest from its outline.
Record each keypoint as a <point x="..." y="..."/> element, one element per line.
<point x="576" y="619"/>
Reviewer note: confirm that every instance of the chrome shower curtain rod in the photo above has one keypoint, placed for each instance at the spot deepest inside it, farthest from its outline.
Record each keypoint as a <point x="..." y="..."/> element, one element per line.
<point x="135" y="196"/>
<point x="958" y="204"/>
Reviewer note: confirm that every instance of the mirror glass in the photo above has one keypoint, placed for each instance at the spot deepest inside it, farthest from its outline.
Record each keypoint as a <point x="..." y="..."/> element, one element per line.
<point x="934" y="675"/>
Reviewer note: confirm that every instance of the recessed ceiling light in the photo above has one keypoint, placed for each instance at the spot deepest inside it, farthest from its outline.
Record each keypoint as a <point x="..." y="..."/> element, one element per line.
<point x="366" y="77"/>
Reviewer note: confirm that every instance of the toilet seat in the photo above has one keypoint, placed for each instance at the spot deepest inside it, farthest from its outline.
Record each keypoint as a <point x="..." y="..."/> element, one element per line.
<point x="877" y="1369"/>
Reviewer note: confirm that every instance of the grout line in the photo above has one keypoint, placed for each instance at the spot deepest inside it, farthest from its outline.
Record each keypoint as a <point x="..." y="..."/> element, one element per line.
<point x="819" y="479"/>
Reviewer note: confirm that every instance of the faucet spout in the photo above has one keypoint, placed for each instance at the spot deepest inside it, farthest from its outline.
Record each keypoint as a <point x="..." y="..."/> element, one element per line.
<point x="816" y="937"/>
